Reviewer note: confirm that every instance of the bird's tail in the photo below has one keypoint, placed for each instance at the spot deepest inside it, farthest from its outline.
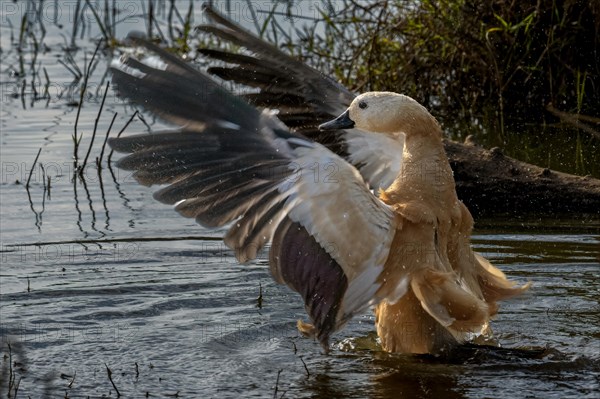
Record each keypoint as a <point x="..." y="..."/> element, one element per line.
<point x="450" y="303"/>
<point x="494" y="284"/>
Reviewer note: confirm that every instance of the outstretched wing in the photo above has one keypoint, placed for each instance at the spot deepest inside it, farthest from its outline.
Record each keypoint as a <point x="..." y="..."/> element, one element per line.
<point x="304" y="97"/>
<point x="230" y="163"/>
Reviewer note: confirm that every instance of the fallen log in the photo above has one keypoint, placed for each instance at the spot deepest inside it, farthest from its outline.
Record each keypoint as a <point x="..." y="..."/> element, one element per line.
<point x="492" y="184"/>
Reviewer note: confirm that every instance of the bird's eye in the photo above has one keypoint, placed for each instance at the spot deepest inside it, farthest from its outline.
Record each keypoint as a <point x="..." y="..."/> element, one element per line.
<point x="362" y="105"/>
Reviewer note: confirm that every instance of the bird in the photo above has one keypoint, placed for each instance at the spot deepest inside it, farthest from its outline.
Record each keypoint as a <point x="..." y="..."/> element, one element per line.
<point x="354" y="193"/>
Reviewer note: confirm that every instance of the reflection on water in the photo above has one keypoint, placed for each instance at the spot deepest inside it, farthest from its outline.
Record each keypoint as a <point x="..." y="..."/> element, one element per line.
<point x="95" y="273"/>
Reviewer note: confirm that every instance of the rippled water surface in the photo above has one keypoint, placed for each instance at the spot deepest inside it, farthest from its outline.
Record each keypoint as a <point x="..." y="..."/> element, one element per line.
<point x="95" y="275"/>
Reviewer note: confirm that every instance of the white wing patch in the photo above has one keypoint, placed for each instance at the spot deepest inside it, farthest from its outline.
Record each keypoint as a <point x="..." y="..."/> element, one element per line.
<point x="379" y="155"/>
<point x="332" y="201"/>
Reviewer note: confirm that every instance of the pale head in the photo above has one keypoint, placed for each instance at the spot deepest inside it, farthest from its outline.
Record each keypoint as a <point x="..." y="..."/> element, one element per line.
<point x="385" y="112"/>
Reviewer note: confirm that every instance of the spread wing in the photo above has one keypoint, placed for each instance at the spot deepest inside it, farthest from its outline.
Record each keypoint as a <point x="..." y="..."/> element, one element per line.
<point x="230" y="163"/>
<point x="304" y="97"/>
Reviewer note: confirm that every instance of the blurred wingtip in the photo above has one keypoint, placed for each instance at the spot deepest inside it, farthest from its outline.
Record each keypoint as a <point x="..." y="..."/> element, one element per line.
<point x="310" y="331"/>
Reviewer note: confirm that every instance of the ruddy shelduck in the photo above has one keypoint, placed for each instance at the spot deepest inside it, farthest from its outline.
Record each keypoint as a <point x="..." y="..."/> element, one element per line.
<point x="360" y="212"/>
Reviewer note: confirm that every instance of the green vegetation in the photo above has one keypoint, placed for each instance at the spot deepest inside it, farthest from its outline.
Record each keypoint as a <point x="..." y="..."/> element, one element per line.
<point x="485" y="60"/>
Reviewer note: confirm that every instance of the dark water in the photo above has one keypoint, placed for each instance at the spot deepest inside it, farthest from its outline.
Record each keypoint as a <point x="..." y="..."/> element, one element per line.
<point x="96" y="274"/>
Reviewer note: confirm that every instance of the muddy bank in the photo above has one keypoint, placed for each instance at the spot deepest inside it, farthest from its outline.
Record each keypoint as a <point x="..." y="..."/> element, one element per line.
<point x="492" y="184"/>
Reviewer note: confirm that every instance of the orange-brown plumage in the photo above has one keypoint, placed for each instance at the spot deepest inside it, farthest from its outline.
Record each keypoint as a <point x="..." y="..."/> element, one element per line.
<point x="453" y="292"/>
